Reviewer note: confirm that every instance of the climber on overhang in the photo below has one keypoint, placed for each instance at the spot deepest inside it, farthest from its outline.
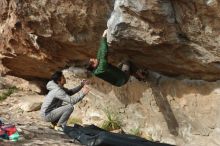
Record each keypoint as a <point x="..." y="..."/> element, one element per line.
<point x="116" y="76"/>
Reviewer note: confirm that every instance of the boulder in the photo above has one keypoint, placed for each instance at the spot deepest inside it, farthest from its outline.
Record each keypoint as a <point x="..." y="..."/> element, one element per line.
<point x="176" y="38"/>
<point x="30" y="103"/>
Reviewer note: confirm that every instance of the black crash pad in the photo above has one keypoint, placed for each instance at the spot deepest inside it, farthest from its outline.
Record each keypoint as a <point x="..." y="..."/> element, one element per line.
<point x="94" y="136"/>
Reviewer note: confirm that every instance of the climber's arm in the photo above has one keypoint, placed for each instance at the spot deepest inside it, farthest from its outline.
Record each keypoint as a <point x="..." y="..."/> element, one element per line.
<point x="103" y="49"/>
<point x="102" y="55"/>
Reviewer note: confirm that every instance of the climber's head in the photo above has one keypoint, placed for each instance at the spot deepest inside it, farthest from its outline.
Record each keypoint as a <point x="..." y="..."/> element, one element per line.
<point x="92" y="64"/>
<point x="58" y="78"/>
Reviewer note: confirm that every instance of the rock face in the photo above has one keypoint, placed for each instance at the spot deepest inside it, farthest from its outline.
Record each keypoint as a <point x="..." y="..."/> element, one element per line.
<point x="171" y="37"/>
<point x="174" y="37"/>
<point x="175" y="111"/>
<point x="31" y="103"/>
<point x="38" y="37"/>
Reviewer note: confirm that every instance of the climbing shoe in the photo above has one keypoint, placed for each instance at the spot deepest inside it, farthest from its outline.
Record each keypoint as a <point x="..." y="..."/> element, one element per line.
<point x="52" y="125"/>
<point x="58" y="128"/>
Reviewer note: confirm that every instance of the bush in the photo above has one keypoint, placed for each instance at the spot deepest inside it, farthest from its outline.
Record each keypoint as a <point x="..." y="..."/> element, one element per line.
<point x="8" y="92"/>
<point x="112" y="122"/>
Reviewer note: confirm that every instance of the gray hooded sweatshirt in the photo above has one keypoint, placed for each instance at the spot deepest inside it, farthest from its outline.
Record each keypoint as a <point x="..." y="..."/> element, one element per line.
<point x="58" y="95"/>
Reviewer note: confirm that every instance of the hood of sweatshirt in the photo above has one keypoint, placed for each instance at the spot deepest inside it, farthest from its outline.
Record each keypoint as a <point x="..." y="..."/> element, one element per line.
<point x="51" y="85"/>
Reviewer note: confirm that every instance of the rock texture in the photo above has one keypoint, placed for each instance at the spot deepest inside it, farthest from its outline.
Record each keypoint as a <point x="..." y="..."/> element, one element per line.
<point x="175" y="111"/>
<point x="38" y="37"/>
<point x="31" y="103"/>
<point x="174" y="39"/>
<point x="182" y="112"/>
<point x="171" y="37"/>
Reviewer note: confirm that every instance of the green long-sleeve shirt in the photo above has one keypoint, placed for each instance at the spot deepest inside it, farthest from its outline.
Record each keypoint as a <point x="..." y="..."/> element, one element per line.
<point x="106" y="71"/>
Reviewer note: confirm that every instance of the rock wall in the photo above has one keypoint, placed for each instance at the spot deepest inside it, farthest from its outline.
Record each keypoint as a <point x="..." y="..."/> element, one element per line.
<point x="182" y="112"/>
<point x="177" y="38"/>
<point x="39" y="37"/>
<point x="173" y="37"/>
